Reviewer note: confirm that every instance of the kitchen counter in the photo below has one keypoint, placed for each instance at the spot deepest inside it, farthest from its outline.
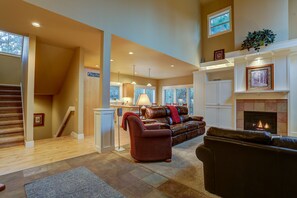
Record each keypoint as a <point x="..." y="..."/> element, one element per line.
<point x="124" y="106"/>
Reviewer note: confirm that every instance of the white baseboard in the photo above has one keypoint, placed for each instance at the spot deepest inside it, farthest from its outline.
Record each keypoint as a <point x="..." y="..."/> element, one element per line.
<point x="104" y="150"/>
<point x="29" y="144"/>
<point x="79" y="136"/>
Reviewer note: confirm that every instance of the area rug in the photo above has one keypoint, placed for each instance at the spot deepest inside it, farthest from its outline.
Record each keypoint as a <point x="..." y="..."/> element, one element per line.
<point x="184" y="168"/>
<point x="78" y="182"/>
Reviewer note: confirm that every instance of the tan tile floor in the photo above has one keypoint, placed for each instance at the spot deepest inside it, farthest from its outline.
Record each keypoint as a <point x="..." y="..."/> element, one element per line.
<point x="129" y="178"/>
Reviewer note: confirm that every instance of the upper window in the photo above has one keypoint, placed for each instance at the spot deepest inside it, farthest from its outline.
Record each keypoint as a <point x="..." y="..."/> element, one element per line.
<point x="11" y="43"/>
<point x="219" y="22"/>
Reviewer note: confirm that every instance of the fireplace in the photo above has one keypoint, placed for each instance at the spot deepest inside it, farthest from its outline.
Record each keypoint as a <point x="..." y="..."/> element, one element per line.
<point x="260" y="121"/>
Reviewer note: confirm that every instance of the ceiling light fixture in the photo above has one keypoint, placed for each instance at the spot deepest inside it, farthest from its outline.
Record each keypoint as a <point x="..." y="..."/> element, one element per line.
<point x="131" y="53"/>
<point x="149" y="84"/>
<point x="111" y="60"/>
<point x="133" y="82"/>
<point x="171" y="65"/>
<point x="35" y="24"/>
<point x="97" y="65"/>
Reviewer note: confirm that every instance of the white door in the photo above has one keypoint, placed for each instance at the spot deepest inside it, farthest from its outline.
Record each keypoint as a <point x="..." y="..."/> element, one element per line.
<point x="225" y="92"/>
<point x="211" y="93"/>
<point x="211" y="116"/>
<point x="225" y="117"/>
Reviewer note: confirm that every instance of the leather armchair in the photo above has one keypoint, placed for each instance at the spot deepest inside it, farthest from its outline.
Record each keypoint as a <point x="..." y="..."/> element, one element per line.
<point x="149" y="143"/>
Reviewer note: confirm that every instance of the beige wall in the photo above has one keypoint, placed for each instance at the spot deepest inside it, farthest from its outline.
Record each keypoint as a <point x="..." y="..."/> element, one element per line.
<point x="220" y="75"/>
<point x="43" y="104"/>
<point x="168" y="26"/>
<point x="52" y="63"/>
<point x="68" y="96"/>
<point x="251" y="15"/>
<point x="185" y="80"/>
<point x="10" y="69"/>
<point x="224" y="41"/>
<point x="292" y="19"/>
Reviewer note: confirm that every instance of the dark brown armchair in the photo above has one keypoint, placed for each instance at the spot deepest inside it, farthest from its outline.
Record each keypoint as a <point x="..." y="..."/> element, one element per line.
<point x="149" y="143"/>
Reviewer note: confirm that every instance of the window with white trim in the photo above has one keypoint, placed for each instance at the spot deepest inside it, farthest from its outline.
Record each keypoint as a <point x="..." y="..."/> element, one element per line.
<point x="219" y="22"/>
<point x="115" y="91"/>
<point x="11" y="43"/>
<point x="150" y="91"/>
<point x="179" y="95"/>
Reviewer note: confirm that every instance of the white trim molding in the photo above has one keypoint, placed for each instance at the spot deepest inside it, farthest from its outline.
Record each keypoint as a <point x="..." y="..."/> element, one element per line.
<point x="29" y="144"/>
<point x="79" y="136"/>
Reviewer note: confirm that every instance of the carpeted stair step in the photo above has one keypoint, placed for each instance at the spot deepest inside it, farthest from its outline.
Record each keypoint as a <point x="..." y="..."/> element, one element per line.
<point x="10" y="110"/>
<point x="11" y="141"/>
<point x="10" y="103"/>
<point x="10" y="98"/>
<point x="11" y="116"/>
<point x="10" y="92"/>
<point x="11" y="122"/>
<point x="9" y="87"/>
<point x="15" y="130"/>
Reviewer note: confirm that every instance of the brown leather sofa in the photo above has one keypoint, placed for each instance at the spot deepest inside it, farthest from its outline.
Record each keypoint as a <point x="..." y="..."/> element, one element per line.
<point x="149" y="142"/>
<point x="248" y="164"/>
<point x="190" y="126"/>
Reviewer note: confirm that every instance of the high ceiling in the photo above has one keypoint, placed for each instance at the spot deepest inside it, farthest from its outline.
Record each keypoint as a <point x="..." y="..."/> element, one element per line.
<point x="62" y="32"/>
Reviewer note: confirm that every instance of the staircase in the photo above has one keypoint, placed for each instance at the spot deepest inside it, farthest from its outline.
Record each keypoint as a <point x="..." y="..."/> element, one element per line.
<point x="11" y="116"/>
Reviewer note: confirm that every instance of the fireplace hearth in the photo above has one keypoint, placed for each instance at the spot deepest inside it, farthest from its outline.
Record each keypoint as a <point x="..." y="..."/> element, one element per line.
<point x="260" y="121"/>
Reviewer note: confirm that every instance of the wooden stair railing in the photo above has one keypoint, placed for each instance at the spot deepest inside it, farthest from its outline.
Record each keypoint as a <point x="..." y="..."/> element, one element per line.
<point x="64" y="122"/>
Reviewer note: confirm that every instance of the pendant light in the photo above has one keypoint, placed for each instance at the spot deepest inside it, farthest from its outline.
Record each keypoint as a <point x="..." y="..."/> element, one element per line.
<point x="149" y="84"/>
<point x="133" y="82"/>
<point x="118" y="78"/>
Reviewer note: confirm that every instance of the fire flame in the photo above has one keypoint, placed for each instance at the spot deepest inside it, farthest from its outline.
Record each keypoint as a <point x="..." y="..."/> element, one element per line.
<point x="260" y="125"/>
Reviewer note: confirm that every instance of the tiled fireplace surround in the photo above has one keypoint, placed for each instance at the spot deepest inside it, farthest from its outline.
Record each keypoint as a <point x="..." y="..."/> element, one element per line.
<point x="280" y="106"/>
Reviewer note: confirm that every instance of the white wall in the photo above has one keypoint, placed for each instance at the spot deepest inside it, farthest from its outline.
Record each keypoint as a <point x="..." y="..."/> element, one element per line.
<point x="253" y="15"/>
<point x="168" y="26"/>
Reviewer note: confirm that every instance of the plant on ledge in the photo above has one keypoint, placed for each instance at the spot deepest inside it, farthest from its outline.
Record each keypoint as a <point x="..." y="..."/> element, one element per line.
<point x="258" y="38"/>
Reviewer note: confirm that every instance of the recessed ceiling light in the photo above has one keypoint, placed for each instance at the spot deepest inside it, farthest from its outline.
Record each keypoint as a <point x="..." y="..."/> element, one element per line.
<point x="111" y="60"/>
<point x="35" y="24"/>
<point x="131" y="53"/>
<point x="97" y="65"/>
<point x="171" y="65"/>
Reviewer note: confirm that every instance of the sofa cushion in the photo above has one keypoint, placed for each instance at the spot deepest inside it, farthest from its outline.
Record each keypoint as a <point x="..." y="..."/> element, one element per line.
<point x="155" y="112"/>
<point x="191" y="125"/>
<point x="182" y="110"/>
<point x="178" y="129"/>
<point x="184" y="118"/>
<point x="248" y="136"/>
<point x="285" y="142"/>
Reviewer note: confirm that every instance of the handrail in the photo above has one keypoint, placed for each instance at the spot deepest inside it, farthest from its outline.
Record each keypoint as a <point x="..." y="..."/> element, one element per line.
<point x="65" y="119"/>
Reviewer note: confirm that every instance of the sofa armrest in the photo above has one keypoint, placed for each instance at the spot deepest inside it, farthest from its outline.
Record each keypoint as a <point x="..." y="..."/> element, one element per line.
<point x="153" y="126"/>
<point x="164" y="126"/>
<point x="156" y="133"/>
<point x="207" y="157"/>
<point x="196" y="118"/>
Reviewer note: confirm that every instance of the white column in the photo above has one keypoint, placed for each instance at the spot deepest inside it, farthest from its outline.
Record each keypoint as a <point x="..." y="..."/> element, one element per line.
<point x="199" y="78"/>
<point x="104" y="116"/>
<point x="28" y="77"/>
<point x="105" y="71"/>
<point x="104" y="129"/>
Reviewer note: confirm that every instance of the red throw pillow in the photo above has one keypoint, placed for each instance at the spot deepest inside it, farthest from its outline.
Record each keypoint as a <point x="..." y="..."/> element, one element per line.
<point x="174" y="114"/>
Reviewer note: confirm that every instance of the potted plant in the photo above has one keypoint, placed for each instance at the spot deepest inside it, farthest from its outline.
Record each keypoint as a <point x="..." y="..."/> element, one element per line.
<point x="258" y="38"/>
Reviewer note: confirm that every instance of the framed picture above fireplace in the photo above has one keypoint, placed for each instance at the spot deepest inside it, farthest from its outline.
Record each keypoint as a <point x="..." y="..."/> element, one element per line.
<point x="260" y="78"/>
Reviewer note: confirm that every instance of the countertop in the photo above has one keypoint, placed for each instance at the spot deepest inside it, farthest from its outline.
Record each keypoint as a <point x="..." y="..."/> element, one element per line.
<point x="124" y="106"/>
